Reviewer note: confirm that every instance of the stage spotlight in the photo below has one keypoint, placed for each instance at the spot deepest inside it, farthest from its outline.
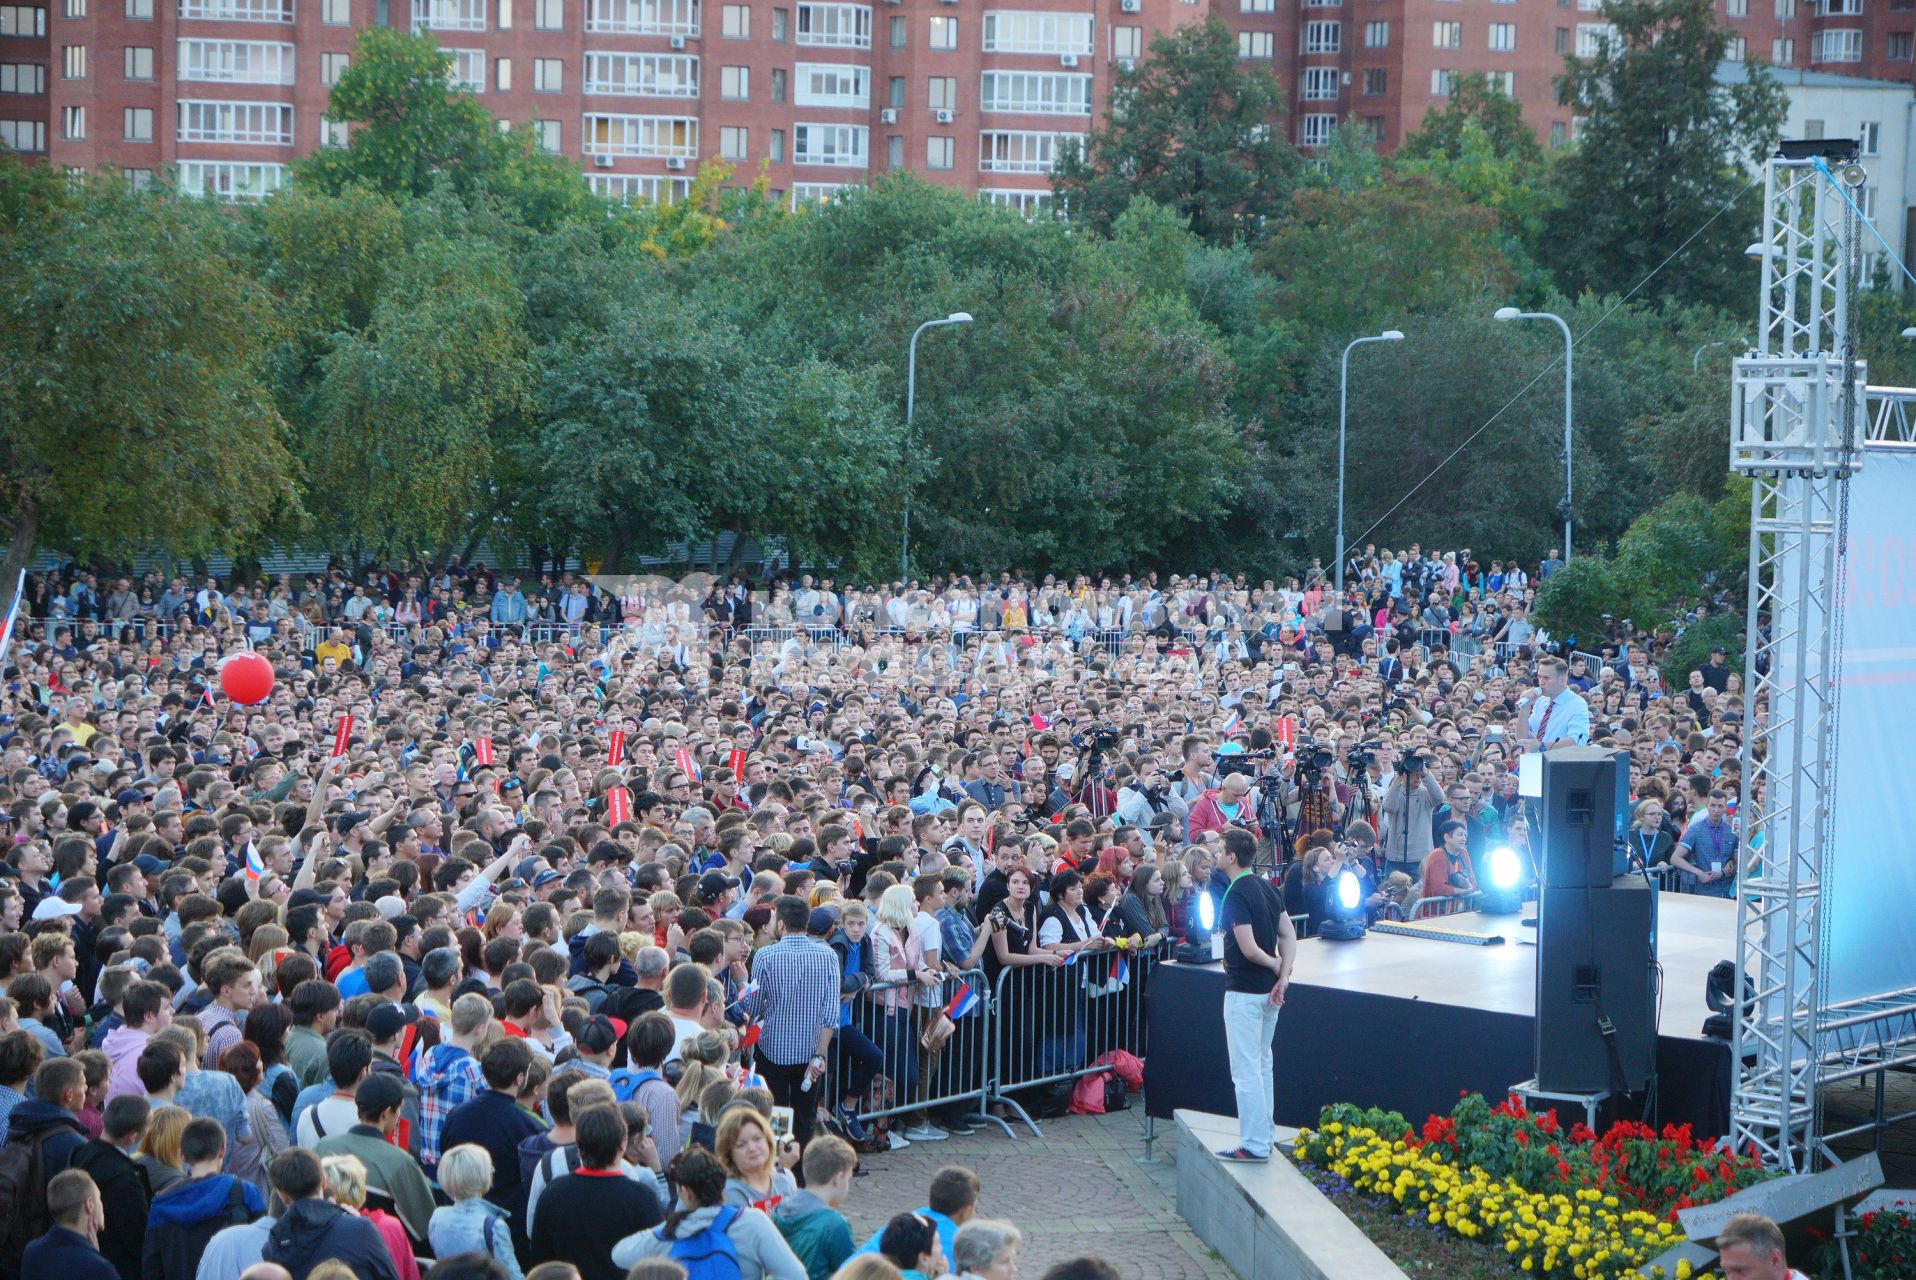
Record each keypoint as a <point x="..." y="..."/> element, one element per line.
<point x="1503" y="883"/>
<point x="1201" y="945"/>
<point x="1346" y="922"/>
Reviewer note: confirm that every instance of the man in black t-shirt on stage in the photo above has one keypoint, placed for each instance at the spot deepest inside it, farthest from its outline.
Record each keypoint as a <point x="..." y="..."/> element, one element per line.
<point x="1259" y="948"/>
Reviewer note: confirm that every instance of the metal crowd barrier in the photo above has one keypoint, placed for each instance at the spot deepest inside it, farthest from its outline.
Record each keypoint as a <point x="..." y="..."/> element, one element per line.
<point x="906" y="1077"/>
<point x="1445" y="905"/>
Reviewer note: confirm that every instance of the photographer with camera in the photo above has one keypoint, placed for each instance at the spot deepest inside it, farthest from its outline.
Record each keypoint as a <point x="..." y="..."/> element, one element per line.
<point x="1143" y="795"/>
<point x="1410" y="804"/>
<point x="1227" y="805"/>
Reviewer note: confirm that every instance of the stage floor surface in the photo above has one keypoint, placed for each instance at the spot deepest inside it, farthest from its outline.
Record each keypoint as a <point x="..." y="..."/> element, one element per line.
<point x="1693" y="934"/>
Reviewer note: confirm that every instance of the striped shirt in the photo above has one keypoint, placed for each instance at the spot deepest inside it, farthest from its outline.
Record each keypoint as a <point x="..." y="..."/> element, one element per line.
<point x="797" y="981"/>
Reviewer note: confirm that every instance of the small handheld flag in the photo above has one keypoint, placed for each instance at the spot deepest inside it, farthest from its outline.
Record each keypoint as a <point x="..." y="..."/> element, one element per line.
<point x="1121" y="969"/>
<point x="687" y="765"/>
<point x="342" y="735"/>
<point x="615" y="754"/>
<point x="255" y="868"/>
<point x="962" y="1002"/>
<point x="1235" y="723"/>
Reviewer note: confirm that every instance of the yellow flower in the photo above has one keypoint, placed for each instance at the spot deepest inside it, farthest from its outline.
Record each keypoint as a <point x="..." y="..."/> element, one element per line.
<point x="1683" y="1269"/>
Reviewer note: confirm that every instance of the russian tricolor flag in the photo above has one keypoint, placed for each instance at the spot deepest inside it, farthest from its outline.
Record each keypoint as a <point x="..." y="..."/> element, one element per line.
<point x="962" y="1003"/>
<point x="1120" y="969"/>
<point x="255" y="868"/>
<point x="1232" y="725"/>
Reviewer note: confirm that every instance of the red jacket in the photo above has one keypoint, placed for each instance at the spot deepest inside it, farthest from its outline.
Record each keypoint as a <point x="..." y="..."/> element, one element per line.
<point x="1208" y="815"/>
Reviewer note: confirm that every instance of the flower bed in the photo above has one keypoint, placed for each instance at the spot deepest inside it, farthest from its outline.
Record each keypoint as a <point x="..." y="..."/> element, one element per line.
<point x="1882" y="1248"/>
<point x="1566" y="1205"/>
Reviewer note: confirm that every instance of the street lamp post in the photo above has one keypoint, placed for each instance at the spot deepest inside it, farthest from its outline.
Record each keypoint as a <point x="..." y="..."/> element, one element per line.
<point x="1569" y="343"/>
<point x="1343" y="414"/>
<point x="911" y="398"/>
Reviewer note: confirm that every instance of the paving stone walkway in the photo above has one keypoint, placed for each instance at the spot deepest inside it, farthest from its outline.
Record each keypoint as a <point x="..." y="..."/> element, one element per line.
<point x="1078" y="1190"/>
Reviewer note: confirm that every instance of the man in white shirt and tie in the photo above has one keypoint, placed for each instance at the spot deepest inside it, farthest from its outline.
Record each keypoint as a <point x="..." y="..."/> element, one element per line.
<point x="1555" y="715"/>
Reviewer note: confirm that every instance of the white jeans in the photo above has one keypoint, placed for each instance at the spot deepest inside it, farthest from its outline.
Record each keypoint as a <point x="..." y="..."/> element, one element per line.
<point x="1250" y="1023"/>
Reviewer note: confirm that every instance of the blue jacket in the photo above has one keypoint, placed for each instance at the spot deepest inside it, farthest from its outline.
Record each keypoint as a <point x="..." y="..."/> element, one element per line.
<point x="187" y="1215"/>
<point x="32" y="1118"/>
<point x="474" y="1226"/>
<point x="66" y="1254"/>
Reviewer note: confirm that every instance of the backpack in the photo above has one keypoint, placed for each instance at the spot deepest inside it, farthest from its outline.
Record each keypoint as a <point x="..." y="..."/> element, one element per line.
<point x="709" y="1254"/>
<point x="626" y="1082"/>
<point x="23" y="1199"/>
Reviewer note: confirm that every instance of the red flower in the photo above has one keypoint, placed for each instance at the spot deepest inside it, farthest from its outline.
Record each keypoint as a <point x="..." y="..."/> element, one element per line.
<point x="1563" y="1170"/>
<point x="1521" y="1138"/>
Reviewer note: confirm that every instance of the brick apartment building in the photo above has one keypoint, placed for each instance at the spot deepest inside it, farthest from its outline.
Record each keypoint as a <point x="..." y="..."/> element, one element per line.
<point x="963" y="91"/>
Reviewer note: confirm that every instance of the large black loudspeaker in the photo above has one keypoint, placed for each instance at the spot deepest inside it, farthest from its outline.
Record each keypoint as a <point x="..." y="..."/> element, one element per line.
<point x="1586" y="812"/>
<point x="1596" y="988"/>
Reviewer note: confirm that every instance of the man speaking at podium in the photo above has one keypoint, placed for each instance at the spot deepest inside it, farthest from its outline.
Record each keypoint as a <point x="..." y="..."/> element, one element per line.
<point x="1555" y="715"/>
<point x="1259" y="948"/>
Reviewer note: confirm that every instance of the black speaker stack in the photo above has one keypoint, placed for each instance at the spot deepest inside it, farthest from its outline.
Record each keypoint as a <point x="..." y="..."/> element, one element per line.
<point x="1596" y="970"/>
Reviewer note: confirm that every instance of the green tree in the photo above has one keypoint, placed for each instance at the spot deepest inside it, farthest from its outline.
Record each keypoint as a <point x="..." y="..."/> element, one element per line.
<point x="1474" y="106"/>
<point x="1193" y="127"/>
<point x="414" y="129"/>
<point x="1665" y="146"/>
<point x="1575" y="600"/>
<point x="133" y="412"/>
<point x="402" y="427"/>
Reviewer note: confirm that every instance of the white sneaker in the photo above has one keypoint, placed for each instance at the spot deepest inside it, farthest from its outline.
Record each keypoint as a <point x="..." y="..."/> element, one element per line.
<point x="897" y="1140"/>
<point x="926" y="1133"/>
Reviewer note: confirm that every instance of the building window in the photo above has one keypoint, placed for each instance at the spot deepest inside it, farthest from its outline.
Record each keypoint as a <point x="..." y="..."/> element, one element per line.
<point x="1035" y="93"/>
<point x="1783" y="50"/>
<point x="548" y="75"/>
<point x="735" y="83"/>
<point x="825" y="84"/>
<point x="1867" y="203"/>
<point x="24" y="136"/>
<point x="1563" y="41"/>
<point x="136" y="124"/>
<point x="1257" y="6"/>
<point x="1556" y="134"/>
<point x="838" y="145"/>
<point x="505" y="15"/>
<point x="781" y="79"/>
<point x="1593" y="38"/>
<point x="1842" y="45"/>
<point x="73" y="123"/>
<point x="1377" y="35"/>
<point x="1013" y="151"/>
<point x="73" y="62"/>
<point x="1813" y="129"/>
<point x="1503" y="37"/>
<point x="626" y="187"/>
<point x="1736" y="8"/>
<point x="1009" y="32"/>
<point x="1256" y="44"/>
<point x="898" y="29"/>
<point x="1127" y="44"/>
<point x="139" y="62"/>
<point x="843" y="26"/>
<point x="894" y="152"/>
<point x="941" y="93"/>
<point x="234" y="61"/>
<point x="468" y="69"/>
<point x="336" y="13"/>
<point x="1899" y="46"/>
<point x="1023" y="200"/>
<point x="1735" y="49"/>
<point x="1323" y="37"/>
<point x="664" y="137"/>
<point x="1842" y="8"/>
<point x="1870" y="137"/>
<point x="732" y="143"/>
<point x="1316" y="130"/>
<point x="1504" y="82"/>
<point x="1320" y="84"/>
<point x="939" y="152"/>
<point x="776" y="152"/>
<point x="332" y="66"/>
<point x="139" y="10"/>
<point x="75" y="8"/>
<point x="1376" y="82"/>
<point x="1443" y="83"/>
<point x="230" y="180"/>
<point x="1446" y="35"/>
<point x="549" y="134"/>
<point x="895" y="91"/>
<point x="22" y="20"/>
<point x="23" y="77"/>
<point x="137" y="179"/>
<point x="642" y="17"/>
<point x="333" y="134"/>
<point x="943" y="34"/>
<point x="642" y="75"/>
<point x="735" y="22"/>
<point x="781" y="23"/>
<point x="1785" y="8"/>
<point x="251" y="123"/>
<point x="445" y="15"/>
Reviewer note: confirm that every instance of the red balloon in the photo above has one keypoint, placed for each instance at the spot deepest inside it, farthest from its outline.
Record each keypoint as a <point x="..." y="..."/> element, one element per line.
<point x="246" y="678"/>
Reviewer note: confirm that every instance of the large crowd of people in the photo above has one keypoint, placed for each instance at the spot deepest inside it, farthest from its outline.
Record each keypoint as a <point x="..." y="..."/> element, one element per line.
<point x="552" y="930"/>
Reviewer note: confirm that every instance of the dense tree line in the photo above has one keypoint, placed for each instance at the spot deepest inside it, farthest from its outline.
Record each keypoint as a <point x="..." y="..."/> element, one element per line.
<point x="438" y="334"/>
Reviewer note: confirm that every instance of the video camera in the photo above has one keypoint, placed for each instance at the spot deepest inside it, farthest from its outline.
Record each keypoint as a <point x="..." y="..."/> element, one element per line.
<point x="1412" y="762"/>
<point x="1312" y="760"/>
<point x="1226" y="763"/>
<point x="1361" y="757"/>
<point x="1099" y="737"/>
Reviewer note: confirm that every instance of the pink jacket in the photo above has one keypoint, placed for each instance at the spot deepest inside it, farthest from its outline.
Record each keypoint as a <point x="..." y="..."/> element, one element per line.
<point x="1208" y="815"/>
<point x="123" y="1046"/>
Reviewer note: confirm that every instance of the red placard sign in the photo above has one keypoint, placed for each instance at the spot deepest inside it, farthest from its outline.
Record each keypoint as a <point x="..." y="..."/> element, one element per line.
<point x="616" y="755"/>
<point x="482" y="750"/>
<point x="342" y="735"/>
<point x="1285" y="730"/>
<point x="618" y="806"/>
<point x="736" y="762"/>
